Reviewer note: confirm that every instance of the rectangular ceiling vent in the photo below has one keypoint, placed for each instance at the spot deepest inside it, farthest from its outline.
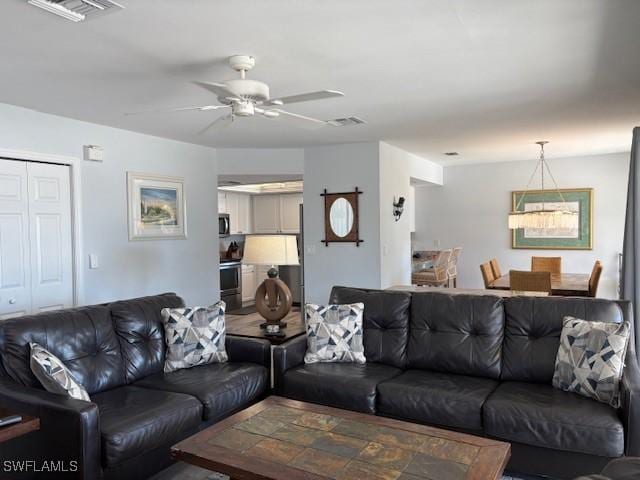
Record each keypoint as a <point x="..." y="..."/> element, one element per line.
<point x="77" y="10"/>
<point x="347" y="122"/>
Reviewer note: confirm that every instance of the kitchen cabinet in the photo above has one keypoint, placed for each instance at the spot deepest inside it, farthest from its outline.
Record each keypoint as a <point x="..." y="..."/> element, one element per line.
<point x="290" y="213"/>
<point x="277" y="213"/>
<point x="237" y="205"/>
<point x="249" y="285"/>
<point x="243" y="214"/>
<point x="222" y="202"/>
<point x="266" y="213"/>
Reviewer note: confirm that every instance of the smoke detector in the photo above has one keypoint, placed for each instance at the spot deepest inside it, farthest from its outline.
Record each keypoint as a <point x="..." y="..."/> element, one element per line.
<point x="77" y="10"/>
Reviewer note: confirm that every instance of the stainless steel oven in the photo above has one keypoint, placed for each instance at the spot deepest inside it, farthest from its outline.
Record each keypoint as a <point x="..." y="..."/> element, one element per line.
<point x="224" y="225"/>
<point x="231" y="283"/>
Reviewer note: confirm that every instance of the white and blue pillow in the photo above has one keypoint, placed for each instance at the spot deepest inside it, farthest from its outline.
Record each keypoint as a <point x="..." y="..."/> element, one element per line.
<point x="334" y="333"/>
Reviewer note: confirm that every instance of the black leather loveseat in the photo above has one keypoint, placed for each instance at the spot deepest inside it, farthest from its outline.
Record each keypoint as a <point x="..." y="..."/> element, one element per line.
<point x="479" y="364"/>
<point x="136" y="411"/>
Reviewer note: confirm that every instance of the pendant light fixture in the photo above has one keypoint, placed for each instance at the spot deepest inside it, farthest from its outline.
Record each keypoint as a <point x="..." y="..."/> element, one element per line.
<point x="542" y="218"/>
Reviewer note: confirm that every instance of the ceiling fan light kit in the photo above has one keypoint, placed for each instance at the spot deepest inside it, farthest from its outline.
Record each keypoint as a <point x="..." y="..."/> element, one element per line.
<point x="248" y="98"/>
<point x="76" y="10"/>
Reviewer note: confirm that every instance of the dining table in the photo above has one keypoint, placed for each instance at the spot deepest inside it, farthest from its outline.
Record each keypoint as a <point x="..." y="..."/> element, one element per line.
<point x="562" y="284"/>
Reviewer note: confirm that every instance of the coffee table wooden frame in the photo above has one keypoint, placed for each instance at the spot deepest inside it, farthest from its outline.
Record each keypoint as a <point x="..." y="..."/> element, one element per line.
<point x="489" y="464"/>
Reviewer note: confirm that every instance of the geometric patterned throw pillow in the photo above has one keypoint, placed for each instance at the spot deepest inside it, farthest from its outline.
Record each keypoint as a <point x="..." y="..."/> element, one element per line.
<point x="590" y="359"/>
<point x="194" y="336"/>
<point x="334" y="333"/>
<point x="53" y="375"/>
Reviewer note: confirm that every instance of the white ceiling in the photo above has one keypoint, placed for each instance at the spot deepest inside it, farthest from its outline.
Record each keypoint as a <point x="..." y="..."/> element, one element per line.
<point x="485" y="78"/>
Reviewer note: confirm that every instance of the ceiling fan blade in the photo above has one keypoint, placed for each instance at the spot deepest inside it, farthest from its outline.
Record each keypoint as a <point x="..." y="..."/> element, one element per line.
<point x="219" y="122"/>
<point x="301" y="120"/>
<point x="220" y="89"/>
<point x="203" y="108"/>
<point x="304" y="97"/>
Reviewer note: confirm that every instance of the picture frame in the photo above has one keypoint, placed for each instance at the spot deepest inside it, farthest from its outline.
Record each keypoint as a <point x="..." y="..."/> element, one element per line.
<point x="577" y="199"/>
<point x="156" y="207"/>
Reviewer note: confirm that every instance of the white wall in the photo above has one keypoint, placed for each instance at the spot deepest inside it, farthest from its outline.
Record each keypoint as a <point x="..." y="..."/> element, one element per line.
<point x="341" y="168"/>
<point x="471" y="209"/>
<point x="260" y="161"/>
<point x="128" y="269"/>
<point x="398" y="168"/>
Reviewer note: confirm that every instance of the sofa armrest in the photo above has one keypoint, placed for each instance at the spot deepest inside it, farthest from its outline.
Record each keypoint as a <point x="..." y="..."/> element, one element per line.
<point x="254" y="350"/>
<point x="286" y="356"/>
<point x="69" y="430"/>
<point x="630" y="404"/>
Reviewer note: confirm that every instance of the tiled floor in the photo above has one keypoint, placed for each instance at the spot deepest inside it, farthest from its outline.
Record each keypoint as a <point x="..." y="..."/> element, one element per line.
<point x="182" y="471"/>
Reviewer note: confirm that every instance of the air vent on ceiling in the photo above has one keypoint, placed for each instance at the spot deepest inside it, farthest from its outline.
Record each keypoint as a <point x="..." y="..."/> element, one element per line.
<point x="77" y="10"/>
<point x="346" y="122"/>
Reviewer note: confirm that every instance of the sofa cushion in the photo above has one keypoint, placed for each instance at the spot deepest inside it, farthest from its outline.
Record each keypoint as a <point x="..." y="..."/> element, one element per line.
<point x="540" y="415"/>
<point x="385" y="322"/>
<point x="459" y="334"/>
<point x="436" y="398"/>
<point x="82" y="338"/>
<point x="532" y="332"/>
<point x="344" y="385"/>
<point x="222" y="388"/>
<point x="138" y="324"/>
<point x="136" y="420"/>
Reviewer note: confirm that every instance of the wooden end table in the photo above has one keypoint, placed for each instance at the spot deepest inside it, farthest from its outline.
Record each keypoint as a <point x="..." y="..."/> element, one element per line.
<point x="15" y="430"/>
<point x="281" y="439"/>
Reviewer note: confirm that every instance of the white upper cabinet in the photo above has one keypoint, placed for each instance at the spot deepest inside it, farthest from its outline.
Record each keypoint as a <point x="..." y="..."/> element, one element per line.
<point x="290" y="213"/>
<point x="277" y="213"/>
<point x="266" y="213"/>
<point x="222" y="202"/>
<point x="243" y="214"/>
<point x="237" y="205"/>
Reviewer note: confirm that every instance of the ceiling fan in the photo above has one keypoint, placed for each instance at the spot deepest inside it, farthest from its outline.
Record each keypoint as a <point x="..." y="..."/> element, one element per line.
<point x="247" y="98"/>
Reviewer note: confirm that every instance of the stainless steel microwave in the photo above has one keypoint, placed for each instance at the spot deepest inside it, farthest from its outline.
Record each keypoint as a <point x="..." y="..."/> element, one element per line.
<point x="224" y="225"/>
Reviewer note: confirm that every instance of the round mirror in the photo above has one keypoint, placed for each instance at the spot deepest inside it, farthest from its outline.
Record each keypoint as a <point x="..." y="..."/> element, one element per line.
<point x="341" y="217"/>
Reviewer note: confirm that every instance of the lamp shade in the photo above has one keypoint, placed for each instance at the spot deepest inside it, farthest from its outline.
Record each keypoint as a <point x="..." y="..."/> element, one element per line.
<point x="270" y="250"/>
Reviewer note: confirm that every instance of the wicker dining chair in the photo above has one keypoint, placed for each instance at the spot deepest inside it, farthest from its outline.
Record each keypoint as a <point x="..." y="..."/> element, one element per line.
<point x="452" y="270"/>
<point x="530" y="281"/>
<point x="437" y="275"/>
<point x="594" y="280"/>
<point x="546" y="264"/>
<point x="487" y="274"/>
<point x="495" y="268"/>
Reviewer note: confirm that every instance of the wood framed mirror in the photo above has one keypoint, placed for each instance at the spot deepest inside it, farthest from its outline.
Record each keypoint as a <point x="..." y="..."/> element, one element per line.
<point x="341" y="217"/>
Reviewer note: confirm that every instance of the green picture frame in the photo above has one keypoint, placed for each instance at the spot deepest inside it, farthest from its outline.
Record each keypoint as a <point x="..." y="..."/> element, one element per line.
<point x="582" y="239"/>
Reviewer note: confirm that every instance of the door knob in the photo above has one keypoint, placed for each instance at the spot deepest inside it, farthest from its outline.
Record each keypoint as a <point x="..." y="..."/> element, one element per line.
<point x="12" y="301"/>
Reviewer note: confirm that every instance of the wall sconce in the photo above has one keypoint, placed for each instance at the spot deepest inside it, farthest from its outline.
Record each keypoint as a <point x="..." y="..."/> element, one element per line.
<point x="398" y="208"/>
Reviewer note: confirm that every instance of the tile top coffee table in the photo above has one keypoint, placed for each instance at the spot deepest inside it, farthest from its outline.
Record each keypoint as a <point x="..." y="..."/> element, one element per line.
<point x="283" y="439"/>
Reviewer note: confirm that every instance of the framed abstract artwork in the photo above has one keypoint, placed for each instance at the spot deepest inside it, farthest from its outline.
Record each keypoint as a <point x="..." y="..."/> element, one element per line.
<point x="578" y="200"/>
<point x="156" y="205"/>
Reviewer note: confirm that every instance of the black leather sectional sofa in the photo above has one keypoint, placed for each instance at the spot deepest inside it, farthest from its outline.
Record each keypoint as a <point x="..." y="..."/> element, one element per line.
<point x="478" y="364"/>
<point x="136" y="411"/>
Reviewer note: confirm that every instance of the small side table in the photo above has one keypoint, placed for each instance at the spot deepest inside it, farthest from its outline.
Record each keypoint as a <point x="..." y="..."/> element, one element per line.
<point x="15" y="430"/>
<point x="249" y="326"/>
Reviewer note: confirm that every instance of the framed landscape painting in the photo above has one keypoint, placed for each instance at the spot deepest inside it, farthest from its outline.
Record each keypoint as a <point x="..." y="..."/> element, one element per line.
<point x="156" y="207"/>
<point x="575" y="199"/>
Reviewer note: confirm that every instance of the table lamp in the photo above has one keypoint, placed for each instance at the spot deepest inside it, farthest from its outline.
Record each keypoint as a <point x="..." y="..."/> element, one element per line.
<point x="273" y="297"/>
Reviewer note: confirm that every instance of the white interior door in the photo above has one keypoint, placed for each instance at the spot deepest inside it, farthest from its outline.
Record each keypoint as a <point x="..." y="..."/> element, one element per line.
<point x="15" y="279"/>
<point x="50" y="236"/>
